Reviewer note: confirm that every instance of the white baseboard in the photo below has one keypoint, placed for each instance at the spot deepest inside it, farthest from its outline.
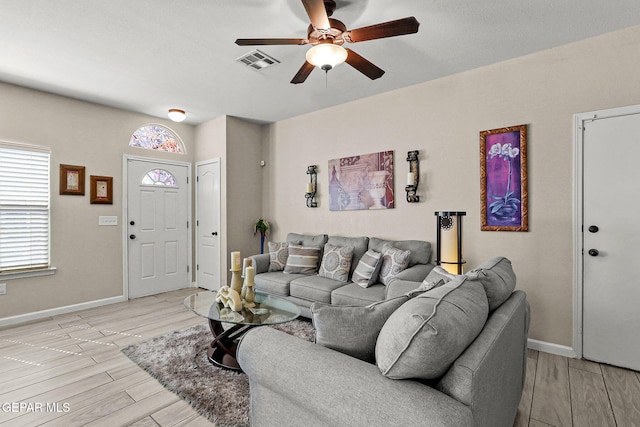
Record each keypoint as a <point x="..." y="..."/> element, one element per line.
<point x="560" y="350"/>
<point x="37" y="315"/>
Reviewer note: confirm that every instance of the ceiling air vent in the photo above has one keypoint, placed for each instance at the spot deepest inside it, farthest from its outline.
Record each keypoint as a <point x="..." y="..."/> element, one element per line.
<point x="257" y="60"/>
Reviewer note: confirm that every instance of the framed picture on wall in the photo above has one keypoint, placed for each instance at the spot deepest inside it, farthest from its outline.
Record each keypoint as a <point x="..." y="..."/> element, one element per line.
<point x="503" y="179"/>
<point x="72" y="180"/>
<point x="101" y="189"/>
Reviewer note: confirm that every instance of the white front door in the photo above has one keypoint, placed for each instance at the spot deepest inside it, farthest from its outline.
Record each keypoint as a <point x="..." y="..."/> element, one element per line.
<point x="157" y="222"/>
<point x="611" y="232"/>
<point x="208" y="224"/>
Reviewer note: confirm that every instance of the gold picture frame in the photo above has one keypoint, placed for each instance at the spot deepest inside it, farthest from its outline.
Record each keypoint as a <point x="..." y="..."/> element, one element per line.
<point x="72" y="180"/>
<point x="503" y="179"/>
<point x="101" y="191"/>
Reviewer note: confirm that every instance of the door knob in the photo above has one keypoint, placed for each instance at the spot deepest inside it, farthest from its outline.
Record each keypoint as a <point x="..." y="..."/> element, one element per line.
<point x="593" y="229"/>
<point x="593" y="252"/>
<point x="215" y="233"/>
<point x="132" y="236"/>
<point x="132" y="223"/>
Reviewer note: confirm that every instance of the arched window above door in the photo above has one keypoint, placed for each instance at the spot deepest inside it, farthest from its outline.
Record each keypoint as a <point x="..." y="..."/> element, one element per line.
<point x="157" y="137"/>
<point x="159" y="177"/>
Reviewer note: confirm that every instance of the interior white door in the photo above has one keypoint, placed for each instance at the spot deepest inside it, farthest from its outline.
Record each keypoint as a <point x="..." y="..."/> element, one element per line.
<point x="611" y="232"/>
<point x="208" y="224"/>
<point x="157" y="227"/>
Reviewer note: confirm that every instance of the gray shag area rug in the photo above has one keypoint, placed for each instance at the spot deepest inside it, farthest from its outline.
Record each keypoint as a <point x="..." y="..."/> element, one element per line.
<point x="179" y="362"/>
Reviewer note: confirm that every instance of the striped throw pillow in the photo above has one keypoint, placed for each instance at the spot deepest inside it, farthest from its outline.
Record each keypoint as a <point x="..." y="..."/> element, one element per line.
<point x="302" y="260"/>
<point x="366" y="273"/>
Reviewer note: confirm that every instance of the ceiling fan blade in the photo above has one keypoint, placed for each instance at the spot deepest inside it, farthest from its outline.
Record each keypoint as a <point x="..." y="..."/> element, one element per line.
<point x="364" y="66"/>
<point x="260" y="42"/>
<point x="398" y="27"/>
<point x="317" y="14"/>
<point x="303" y="73"/>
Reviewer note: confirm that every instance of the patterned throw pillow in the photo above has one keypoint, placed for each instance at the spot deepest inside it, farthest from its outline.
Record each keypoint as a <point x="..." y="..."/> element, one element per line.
<point x="278" y="254"/>
<point x="366" y="272"/>
<point x="336" y="262"/>
<point x="393" y="262"/>
<point x="302" y="259"/>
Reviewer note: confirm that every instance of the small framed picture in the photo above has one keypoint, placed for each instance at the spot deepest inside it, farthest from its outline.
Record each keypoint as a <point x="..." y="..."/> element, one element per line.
<point x="101" y="189"/>
<point x="72" y="180"/>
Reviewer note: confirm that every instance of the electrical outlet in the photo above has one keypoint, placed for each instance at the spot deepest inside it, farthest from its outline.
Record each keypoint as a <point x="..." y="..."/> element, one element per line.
<point x="3" y="288"/>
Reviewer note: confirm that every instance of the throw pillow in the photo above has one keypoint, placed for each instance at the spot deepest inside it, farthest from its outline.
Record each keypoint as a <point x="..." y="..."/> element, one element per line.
<point x="366" y="273"/>
<point x="336" y="262"/>
<point x="438" y="273"/>
<point x="352" y="330"/>
<point x="302" y="260"/>
<point x="427" y="286"/>
<point x="497" y="278"/>
<point x="278" y="254"/>
<point x="393" y="262"/>
<point x="423" y="337"/>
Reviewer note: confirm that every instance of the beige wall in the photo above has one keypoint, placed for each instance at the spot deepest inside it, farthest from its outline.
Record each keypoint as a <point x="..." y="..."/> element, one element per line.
<point x="443" y="119"/>
<point x="88" y="258"/>
<point x="238" y="144"/>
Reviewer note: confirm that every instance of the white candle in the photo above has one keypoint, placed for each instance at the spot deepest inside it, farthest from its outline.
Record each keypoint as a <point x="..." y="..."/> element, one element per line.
<point x="250" y="274"/>
<point x="235" y="261"/>
<point x="309" y="187"/>
<point x="411" y="178"/>
<point x="245" y="263"/>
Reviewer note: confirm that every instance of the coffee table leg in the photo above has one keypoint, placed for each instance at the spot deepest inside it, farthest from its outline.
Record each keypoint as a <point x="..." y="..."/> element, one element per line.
<point x="222" y="351"/>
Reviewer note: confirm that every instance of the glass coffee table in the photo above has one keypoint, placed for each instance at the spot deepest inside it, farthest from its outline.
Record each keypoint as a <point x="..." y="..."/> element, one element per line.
<point x="269" y="310"/>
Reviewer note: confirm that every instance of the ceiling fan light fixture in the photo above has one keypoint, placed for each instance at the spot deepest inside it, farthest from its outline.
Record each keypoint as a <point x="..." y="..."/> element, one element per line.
<point x="326" y="56"/>
<point x="177" y="115"/>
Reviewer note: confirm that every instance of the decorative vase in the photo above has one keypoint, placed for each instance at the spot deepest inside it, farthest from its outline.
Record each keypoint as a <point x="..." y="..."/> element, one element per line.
<point x="377" y="188"/>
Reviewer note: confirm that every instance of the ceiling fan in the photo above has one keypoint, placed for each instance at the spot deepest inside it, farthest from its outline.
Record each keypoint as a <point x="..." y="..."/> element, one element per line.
<point x="327" y="36"/>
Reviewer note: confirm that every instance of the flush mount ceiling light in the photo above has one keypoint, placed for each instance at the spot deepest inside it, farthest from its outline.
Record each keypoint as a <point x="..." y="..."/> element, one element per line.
<point x="326" y="56"/>
<point x="177" y="115"/>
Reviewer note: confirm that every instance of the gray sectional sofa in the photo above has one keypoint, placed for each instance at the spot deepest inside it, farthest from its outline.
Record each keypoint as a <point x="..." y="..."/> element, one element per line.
<point x="454" y="355"/>
<point x="305" y="289"/>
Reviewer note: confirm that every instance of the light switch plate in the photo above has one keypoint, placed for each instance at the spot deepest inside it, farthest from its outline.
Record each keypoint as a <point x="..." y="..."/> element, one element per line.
<point x="3" y="288"/>
<point x="107" y="220"/>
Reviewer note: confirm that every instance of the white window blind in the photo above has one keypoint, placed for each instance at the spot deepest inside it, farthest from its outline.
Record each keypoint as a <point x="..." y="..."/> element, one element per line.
<point x="24" y="208"/>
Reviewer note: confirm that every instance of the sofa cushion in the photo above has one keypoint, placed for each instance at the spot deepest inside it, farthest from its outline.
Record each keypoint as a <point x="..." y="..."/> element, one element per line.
<point x="336" y="262"/>
<point x="302" y="259"/>
<point x="278" y="254"/>
<point x="353" y="294"/>
<point x="420" y="250"/>
<point x="497" y="278"/>
<point x="423" y="337"/>
<point x="276" y="282"/>
<point x="352" y="330"/>
<point x="314" y="288"/>
<point x="393" y="262"/>
<point x="368" y="268"/>
<point x="308" y="240"/>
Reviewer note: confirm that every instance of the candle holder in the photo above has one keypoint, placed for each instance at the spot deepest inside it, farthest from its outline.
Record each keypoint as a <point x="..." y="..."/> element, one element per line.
<point x="449" y="241"/>
<point x="413" y="178"/>
<point x="312" y="186"/>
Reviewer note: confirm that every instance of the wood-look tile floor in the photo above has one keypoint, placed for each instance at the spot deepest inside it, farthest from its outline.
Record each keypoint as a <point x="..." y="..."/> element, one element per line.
<point x="68" y="371"/>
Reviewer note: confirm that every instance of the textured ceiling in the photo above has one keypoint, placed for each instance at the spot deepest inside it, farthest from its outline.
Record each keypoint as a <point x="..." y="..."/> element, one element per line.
<point x="152" y="55"/>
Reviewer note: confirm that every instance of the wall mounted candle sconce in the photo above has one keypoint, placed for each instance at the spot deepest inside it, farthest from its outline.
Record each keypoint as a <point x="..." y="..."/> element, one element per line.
<point x="312" y="186"/>
<point x="413" y="177"/>
<point x="449" y="241"/>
